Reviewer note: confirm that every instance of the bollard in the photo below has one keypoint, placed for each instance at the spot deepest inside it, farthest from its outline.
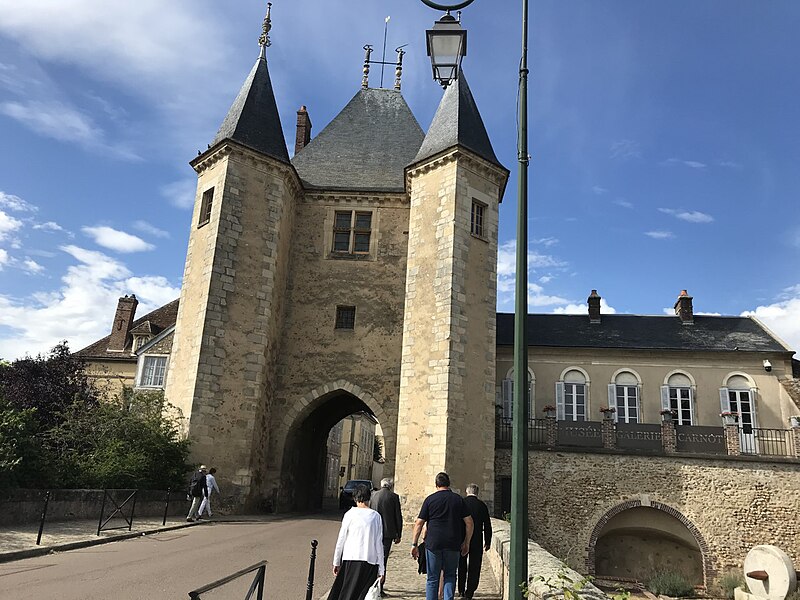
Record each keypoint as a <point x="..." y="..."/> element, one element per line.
<point x="44" y="514"/>
<point x="310" y="587"/>
<point x="166" y="507"/>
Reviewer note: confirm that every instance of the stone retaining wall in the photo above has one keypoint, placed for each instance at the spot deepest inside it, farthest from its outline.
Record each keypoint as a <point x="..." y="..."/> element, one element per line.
<point x="25" y="506"/>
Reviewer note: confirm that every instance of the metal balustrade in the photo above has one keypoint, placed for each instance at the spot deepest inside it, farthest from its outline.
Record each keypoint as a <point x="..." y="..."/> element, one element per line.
<point x="766" y="442"/>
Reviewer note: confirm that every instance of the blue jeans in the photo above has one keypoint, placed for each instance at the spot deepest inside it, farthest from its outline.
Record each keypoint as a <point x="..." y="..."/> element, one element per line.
<point x="441" y="560"/>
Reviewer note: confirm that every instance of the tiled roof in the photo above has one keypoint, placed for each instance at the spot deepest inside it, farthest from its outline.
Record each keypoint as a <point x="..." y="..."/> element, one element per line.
<point x="253" y="118"/>
<point x="457" y="123"/>
<point x="635" y="332"/>
<point x="159" y="319"/>
<point x="365" y="148"/>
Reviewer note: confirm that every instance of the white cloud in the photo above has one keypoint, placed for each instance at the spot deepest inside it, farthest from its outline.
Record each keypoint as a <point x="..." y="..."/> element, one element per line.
<point x="660" y="235"/>
<point x="48" y="226"/>
<point x="623" y="203"/>
<point x="546" y="242"/>
<point x="599" y="190"/>
<point x="729" y="164"/>
<point x="3" y="258"/>
<point x="583" y="309"/>
<point x="81" y="310"/>
<point x="782" y="317"/>
<point x="180" y="193"/>
<point x="626" y="150"/>
<point x="691" y="216"/>
<point x="149" y="229"/>
<point x="31" y="266"/>
<point x="113" y="239"/>
<point x="506" y="269"/>
<point x="693" y="164"/>
<point x="64" y="123"/>
<point x="16" y="203"/>
<point x="8" y="225"/>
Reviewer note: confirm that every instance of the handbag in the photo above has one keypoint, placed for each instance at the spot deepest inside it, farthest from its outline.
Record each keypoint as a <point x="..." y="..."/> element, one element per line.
<point x="374" y="592"/>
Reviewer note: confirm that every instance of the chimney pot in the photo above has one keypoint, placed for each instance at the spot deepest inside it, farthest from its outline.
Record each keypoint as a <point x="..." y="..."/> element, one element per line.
<point x="303" y="135"/>
<point x="683" y="308"/>
<point x="594" y="307"/>
<point x="123" y="319"/>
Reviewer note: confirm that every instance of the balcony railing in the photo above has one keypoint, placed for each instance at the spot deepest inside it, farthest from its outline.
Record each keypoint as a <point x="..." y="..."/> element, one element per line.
<point x="664" y="438"/>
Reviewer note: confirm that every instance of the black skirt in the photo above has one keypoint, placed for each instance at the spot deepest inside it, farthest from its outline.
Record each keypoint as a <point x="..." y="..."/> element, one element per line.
<point x="354" y="580"/>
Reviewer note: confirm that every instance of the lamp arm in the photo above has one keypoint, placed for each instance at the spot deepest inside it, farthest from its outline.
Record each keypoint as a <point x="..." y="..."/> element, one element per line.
<point x="446" y="7"/>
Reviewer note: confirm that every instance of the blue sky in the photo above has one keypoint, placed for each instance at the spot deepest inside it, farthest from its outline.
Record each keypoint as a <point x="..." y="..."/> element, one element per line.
<point x="663" y="138"/>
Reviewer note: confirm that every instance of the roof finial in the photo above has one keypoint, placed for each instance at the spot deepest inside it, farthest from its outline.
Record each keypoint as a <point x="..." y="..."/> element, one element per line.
<point x="365" y="78"/>
<point x="263" y="39"/>
<point x="398" y="72"/>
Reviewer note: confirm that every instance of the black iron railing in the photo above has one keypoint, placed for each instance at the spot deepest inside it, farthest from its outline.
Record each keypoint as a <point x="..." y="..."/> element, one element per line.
<point x="766" y="442"/>
<point x="256" y="590"/>
<point x="537" y="432"/>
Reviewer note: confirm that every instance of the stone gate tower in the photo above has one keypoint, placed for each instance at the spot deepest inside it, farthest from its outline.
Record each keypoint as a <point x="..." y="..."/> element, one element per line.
<point x="447" y="379"/>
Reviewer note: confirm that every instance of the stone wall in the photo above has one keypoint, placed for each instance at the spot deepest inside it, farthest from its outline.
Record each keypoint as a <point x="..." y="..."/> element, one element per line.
<point x="728" y="505"/>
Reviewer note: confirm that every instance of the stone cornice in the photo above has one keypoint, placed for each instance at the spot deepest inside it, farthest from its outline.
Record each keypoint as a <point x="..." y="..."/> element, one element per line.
<point x="494" y="173"/>
<point x="366" y="198"/>
<point x="229" y="148"/>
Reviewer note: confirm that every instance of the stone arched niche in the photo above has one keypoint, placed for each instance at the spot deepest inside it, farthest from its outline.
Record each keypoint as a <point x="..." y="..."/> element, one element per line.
<point x="638" y="541"/>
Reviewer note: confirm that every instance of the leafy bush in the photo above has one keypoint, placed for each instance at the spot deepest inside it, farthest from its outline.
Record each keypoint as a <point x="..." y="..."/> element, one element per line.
<point x="729" y="582"/>
<point x="669" y="583"/>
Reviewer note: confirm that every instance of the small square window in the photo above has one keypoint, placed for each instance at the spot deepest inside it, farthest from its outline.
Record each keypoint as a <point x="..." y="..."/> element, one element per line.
<point x="205" y="207"/>
<point x="345" y="317"/>
<point x="477" y="217"/>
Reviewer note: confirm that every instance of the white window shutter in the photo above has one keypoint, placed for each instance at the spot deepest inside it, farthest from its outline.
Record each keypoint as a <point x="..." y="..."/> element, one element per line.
<point x="508" y="398"/>
<point x="531" y="399"/>
<point x="724" y="400"/>
<point x="753" y="396"/>
<point x="693" y="404"/>
<point x="560" y="400"/>
<point x="612" y="401"/>
<point x="665" y="398"/>
<point x="639" y="416"/>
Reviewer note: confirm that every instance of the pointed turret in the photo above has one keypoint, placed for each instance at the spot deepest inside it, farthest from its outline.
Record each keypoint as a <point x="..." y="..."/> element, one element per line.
<point x="457" y="123"/>
<point x="253" y="118"/>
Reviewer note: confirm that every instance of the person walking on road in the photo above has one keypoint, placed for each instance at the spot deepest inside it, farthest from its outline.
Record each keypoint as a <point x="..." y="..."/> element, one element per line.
<point x="449" y="530"/>
<point x="358" y="557"/>
<point x="469" y="566"/>
<point x="211" y="485"/>
<point x="387" y="504"/>
<point x="198" y="489"/>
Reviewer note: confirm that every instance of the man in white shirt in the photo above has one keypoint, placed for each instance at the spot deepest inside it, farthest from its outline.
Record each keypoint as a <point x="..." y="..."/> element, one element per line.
<point x="211" y="485"/>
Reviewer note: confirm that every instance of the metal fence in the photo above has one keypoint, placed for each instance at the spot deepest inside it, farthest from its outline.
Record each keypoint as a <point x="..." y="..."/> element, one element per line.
<point x="537" y="432"/>
<point x="766" y="442"/>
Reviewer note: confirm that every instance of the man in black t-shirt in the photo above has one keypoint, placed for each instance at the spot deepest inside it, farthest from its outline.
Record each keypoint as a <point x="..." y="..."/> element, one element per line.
<point x="448" y="533"/>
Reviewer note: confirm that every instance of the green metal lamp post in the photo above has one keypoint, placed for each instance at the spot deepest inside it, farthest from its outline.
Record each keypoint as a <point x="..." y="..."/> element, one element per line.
<point x="447" y="45"/>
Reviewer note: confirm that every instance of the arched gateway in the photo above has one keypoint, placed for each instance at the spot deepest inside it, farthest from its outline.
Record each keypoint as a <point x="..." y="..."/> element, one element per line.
<point x="635" y="539"/>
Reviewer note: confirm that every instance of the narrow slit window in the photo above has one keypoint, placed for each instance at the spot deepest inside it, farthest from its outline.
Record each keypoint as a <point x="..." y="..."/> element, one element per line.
<point x="477" y="219"/>
<point x="205" y="207"/>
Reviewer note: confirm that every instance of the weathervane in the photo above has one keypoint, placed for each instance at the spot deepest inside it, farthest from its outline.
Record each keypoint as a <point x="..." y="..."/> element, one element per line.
<point x="263" y="39"/>
<point x="398" y="65"/>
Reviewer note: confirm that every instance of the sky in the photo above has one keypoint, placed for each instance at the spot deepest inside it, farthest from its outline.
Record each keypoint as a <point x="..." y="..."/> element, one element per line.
<point x="663" y="139"/>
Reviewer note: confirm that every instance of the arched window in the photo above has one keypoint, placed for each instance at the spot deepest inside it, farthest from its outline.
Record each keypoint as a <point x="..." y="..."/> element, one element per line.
<point x="508" y="395"/>
<point x="678" y="395"/>
<point x="624" y="395"/>
<point x="572" y="395"/>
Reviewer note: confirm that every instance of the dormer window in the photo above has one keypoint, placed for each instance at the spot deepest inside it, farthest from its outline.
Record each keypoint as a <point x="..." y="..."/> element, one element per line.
<point x="139" y="341"/>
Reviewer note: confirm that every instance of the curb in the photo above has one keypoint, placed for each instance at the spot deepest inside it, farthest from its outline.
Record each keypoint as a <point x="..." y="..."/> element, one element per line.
<point x="43" y="550"/>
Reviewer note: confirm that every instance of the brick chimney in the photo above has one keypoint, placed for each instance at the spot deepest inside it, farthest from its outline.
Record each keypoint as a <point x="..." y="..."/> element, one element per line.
<point x="303" y="130"/>
<point x="594" y="307"/>
<point x="683" y="308"/>
<point x="126" y="311"/>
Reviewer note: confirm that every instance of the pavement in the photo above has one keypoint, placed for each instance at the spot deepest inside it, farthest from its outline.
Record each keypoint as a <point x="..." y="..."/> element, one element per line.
<point x="403" y="581"/>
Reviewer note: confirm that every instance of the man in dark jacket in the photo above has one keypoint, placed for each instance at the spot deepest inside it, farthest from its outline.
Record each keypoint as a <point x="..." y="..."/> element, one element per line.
<point x="469" y="566"/>
<point x="198" y="489"/>
<point x="387" y="504"/>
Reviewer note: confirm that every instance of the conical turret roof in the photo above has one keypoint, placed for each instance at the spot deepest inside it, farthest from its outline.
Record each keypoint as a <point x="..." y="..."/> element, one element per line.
<point x="253" y="118"/>
<point x="365" y="148"/>
<point x="457" y="123"/>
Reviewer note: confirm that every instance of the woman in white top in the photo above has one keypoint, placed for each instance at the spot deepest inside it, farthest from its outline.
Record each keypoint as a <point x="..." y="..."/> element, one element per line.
<point x="358" y="558"/>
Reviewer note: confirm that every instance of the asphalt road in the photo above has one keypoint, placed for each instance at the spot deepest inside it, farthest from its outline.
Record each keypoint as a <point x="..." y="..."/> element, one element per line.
<point x="170" y="564"/>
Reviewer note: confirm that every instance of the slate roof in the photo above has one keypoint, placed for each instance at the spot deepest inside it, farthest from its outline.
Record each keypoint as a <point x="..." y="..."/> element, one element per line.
<point x="159" y="319"/>
<point x="636" y="332"/>
<point x="253" y="118"/>
<point x="457" y="123"/>
<point x="366" y="147"/>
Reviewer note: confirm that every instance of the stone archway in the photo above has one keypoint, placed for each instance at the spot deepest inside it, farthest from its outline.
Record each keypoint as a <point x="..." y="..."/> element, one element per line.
<point x="670" y="532"/>
<point x="304" y="432"/>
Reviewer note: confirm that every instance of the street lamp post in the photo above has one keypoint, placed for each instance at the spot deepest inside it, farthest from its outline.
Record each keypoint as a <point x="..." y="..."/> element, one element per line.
<point x="447" y="44"/>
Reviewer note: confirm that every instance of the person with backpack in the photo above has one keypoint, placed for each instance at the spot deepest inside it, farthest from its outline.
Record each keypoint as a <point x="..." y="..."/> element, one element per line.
<point x="198" y="490"/>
